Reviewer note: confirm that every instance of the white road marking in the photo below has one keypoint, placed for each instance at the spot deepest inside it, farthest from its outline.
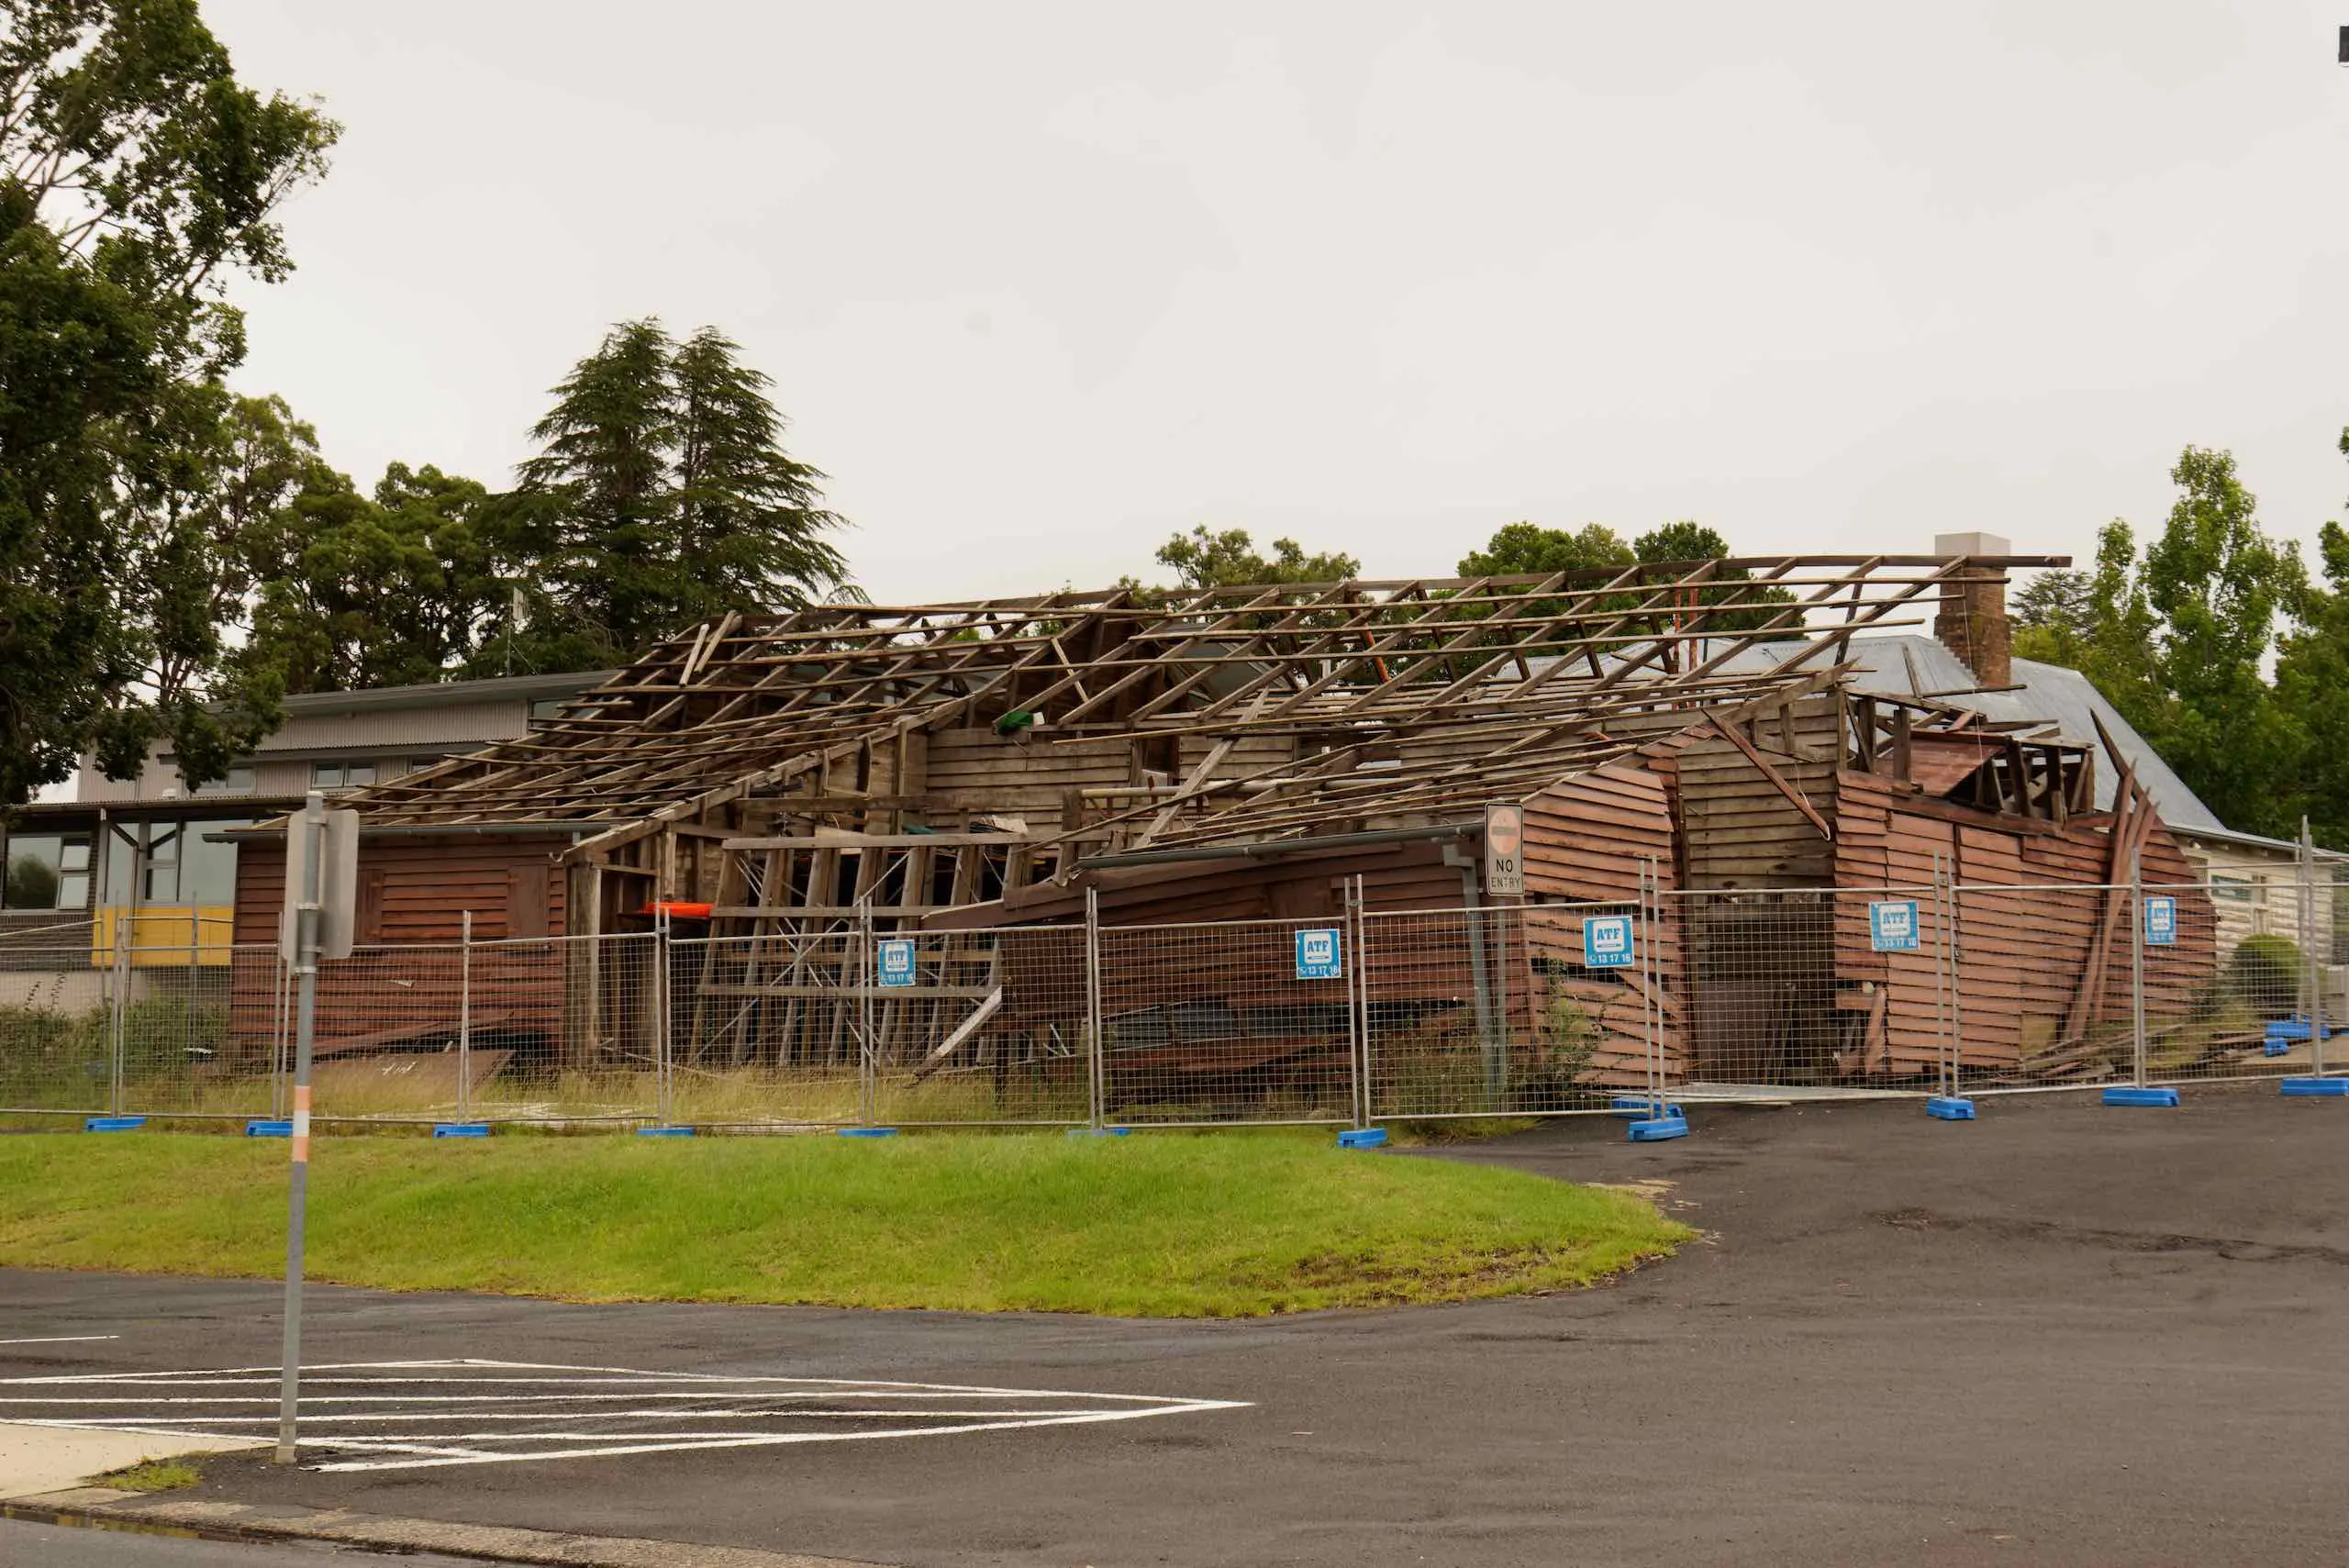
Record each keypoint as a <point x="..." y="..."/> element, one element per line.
<point x="62" y="1339"/>
<point x="658" y="1412"/>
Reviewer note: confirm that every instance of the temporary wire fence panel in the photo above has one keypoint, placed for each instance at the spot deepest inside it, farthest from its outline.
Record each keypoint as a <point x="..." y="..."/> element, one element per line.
<point x="1243" y="1020"/>
<point x="772" y="1029"/>
<point x="1763" y="1006"/>
<point x="1518" y="1009"/>
<point x="57" y="1025"/>
<point x="2219" y="1003"/>
<point x="1495" y="1011"/>
<point x="987" y="1026"/>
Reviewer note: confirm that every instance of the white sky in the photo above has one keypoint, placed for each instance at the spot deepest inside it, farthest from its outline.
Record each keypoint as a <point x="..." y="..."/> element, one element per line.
<point x="1039" y="286"/>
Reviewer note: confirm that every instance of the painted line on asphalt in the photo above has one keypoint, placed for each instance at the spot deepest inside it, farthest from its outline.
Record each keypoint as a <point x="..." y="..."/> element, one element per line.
<point x="62" y="1339"/>
<point x="409" y="1430"/>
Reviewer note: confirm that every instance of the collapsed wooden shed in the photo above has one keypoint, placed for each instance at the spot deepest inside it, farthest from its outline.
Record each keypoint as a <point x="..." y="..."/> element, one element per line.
<point x="819" y="779"/>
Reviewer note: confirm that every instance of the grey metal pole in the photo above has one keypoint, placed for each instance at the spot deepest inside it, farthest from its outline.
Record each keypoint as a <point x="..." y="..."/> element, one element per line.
<point x="1946" y="972"/>
<point x="125" y="926"/>
<point x="662" y="1062"/>
<point x="1095" y="1090"/>
<point x="2311" y="977"/>
<point x="466" y="1017"/>
<point x="306" y="969"/>
<point x="1357" y="1016"/>
<point x="2137" y="963"/>
<point x="868" y="980"/>
<point x="1353" y="1012"/>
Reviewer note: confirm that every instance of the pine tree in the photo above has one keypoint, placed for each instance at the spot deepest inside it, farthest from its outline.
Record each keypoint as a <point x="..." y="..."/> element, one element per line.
<point x="750" y="519"/>
<point x="661" y="495"/>
<point x="605" y="468"/>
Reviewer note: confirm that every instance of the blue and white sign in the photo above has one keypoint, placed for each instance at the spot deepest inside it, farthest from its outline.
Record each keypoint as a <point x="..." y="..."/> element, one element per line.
<point x="1607" y="941"/>
<point x="2161" y="922"/>
<point x="1319" y="956"/>
<point x="897" y="961"/>
<point x="1892" y="925"/>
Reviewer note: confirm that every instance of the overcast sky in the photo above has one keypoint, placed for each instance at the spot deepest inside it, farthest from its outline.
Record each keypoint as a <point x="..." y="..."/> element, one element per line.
<point x="1039" y="286"/>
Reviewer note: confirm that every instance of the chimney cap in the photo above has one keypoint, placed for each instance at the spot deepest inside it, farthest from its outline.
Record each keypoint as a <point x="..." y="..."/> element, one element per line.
<point x="1972" y="544"/>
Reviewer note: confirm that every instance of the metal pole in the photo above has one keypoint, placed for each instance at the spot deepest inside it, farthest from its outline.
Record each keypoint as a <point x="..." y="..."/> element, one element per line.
<point x="663" y="1058"/>
<point x="2137" y="963"/>
<point x="121" y="1031"/>
<point x="1096" y="1085"/>
<point x="1943" y="979"/>
<point x="1358" y="999"/>
<point x="306" y="969"/>
<point x="1357" y="1019"/>
<point x="466" y="1017"/>
<point x="2311" y="974"/>
<point x="1643" y="944"/>
<point x="868" y="978"/>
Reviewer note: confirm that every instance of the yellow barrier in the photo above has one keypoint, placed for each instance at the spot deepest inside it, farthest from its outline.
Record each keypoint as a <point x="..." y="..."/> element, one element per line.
<point x="159" y="935"/>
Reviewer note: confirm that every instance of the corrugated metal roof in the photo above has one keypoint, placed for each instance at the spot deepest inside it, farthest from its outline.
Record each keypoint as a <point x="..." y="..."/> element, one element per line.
<point x="1912" y="664"/>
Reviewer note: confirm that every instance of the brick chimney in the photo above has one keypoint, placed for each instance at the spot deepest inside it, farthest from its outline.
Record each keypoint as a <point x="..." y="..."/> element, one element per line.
<point x="1972" y="619"/>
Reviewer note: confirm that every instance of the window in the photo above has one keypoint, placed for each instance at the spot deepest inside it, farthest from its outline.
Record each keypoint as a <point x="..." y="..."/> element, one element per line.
<point x="418" y="765"/>
<point x="547" y="709"/>
<point x="47" y="871"/>
<point x="162" y="882"/>
<point x="208" y="869"/>
<point x="2239" y="889"/>
<point x="341" y="775"/>
<point x="240" y="781"/>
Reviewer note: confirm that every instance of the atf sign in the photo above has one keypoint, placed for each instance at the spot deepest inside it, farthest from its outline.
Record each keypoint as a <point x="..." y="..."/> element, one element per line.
<point x="2161" y="922"/>
<point x="895" y="958"/>
<point x="1892" y="925"/>
<point x="1319" y="956"/>
<point x="1607" y="941"/>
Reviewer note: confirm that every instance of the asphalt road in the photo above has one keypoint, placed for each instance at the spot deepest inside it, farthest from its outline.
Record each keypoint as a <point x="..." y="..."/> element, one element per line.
<point x="2063" y="1334"/>
<point x="49" y="1546"/>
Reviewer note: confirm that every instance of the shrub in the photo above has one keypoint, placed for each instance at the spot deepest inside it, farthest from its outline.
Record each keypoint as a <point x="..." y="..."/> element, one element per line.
<point x="2265" y="975"/>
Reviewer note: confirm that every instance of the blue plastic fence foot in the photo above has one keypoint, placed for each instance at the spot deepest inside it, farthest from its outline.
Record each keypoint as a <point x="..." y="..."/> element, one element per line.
<point x="1363" y="1138"/>
<point x="868" y="1132"/>
<point x="1100" y="1131"/>
<point x="262" y="1127"/>
<point x="1639" y="1108"/>
<point x="112" y="1123"/>
<point x="1655" y="1129"/>
<point x="2316" y="1088"/>
<point x="1950" y="1107"/>
<point x="664" y="1132"/>
<point x="2274" y="1046"/>
<point x="2132" y="1096"/>
<point x="460" y="1129"/>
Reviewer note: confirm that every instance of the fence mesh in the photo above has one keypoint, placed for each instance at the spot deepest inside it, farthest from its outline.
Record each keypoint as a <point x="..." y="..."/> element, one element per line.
<point x="1539" y="1009"/>
<point x="1234" y="1021"/>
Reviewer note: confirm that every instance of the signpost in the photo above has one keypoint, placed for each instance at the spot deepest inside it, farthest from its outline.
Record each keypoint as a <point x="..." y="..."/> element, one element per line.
<point x="895" y="962"/>
<point x="1892" y="925"/>
<point x="1607" y="941"/>
<point x="321" y="888"/>
<point x="2161" y="922"/>
<point x="1320" y="954"/>
<point x="1504" y="852"/>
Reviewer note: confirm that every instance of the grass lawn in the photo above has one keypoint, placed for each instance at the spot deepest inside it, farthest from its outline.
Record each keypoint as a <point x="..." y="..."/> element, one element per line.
<point x="1225" y="1225"/>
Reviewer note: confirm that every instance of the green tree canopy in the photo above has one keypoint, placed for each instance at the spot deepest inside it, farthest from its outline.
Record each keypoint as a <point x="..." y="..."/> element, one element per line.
<point x="2177" y="641"/>
<point x="1523" y="548"/>
<point x="1206" y="558"/>
<point x="136" y="178"/>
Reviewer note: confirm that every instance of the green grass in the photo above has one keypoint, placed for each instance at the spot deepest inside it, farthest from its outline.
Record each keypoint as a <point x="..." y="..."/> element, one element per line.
<point x="154" y="1475"/>
<point x="1226" y="1225"/>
